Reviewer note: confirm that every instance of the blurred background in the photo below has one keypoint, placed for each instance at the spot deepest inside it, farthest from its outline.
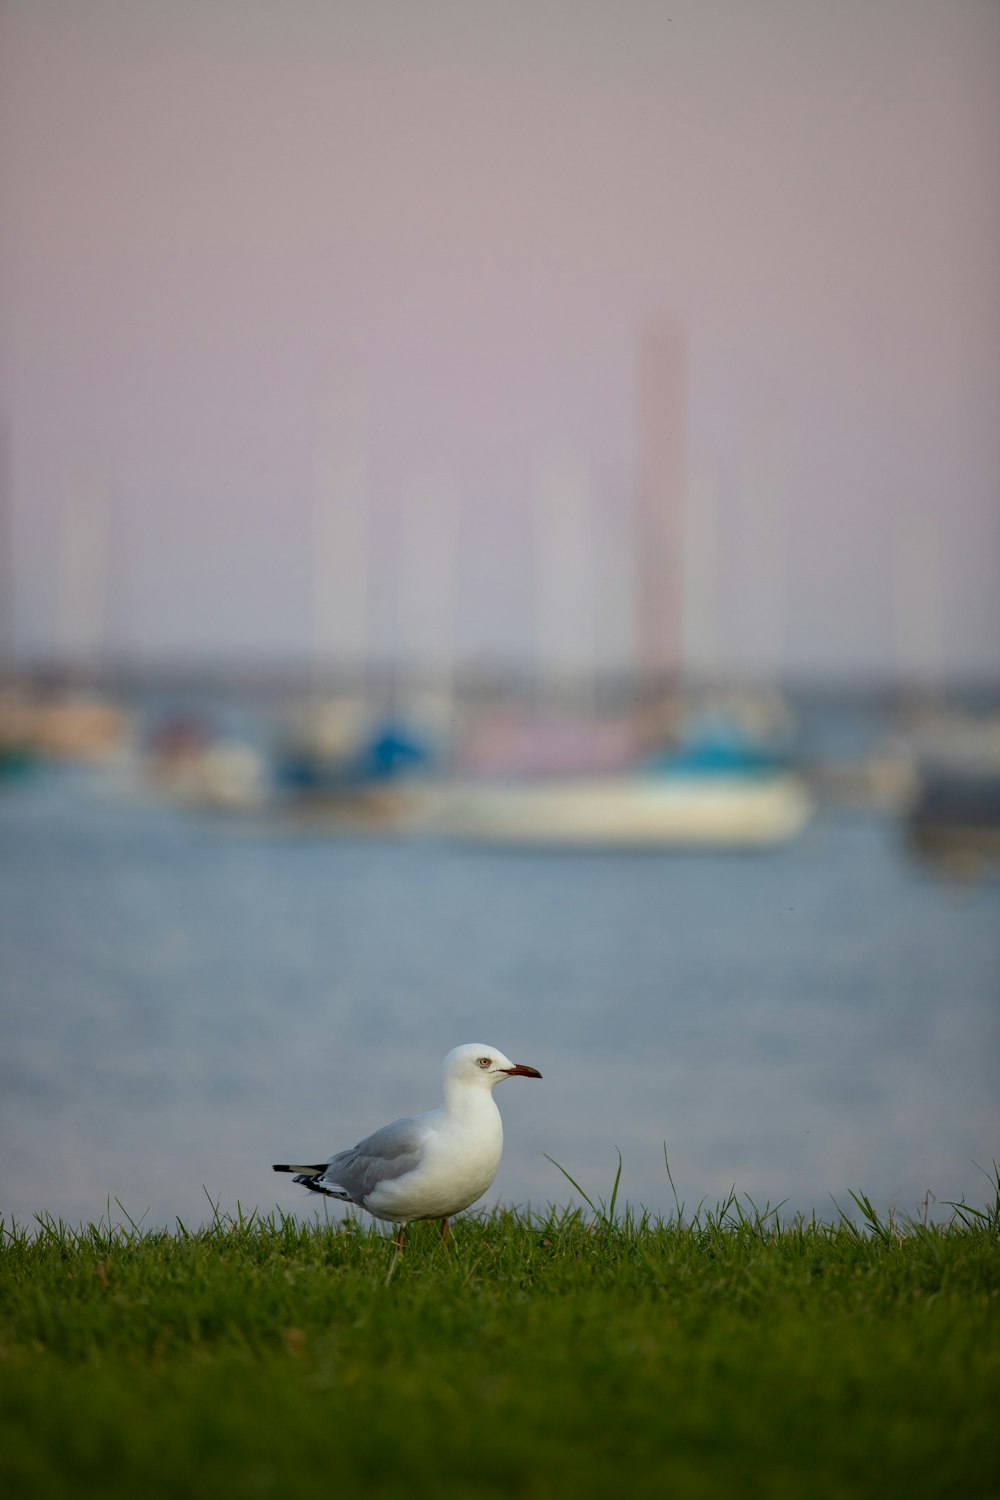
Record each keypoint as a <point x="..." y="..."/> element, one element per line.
<point x="499" y="540"/>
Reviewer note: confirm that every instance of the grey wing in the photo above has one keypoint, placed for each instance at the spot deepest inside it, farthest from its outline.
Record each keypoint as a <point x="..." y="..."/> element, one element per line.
<point x="388" y="1153"/>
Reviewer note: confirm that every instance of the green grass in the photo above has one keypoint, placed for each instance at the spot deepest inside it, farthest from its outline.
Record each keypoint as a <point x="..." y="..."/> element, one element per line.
<point x="589" y="1352"/>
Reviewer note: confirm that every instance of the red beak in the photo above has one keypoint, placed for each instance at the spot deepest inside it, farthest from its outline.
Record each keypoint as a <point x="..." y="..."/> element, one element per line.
<point x="521" y="1070"/>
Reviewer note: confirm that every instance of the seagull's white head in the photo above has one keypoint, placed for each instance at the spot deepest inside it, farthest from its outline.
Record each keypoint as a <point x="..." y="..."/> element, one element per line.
<point x="479" y="1065"/>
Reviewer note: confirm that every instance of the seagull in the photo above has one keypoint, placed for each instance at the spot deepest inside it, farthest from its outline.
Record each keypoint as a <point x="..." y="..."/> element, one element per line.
<point x="427" y="1166"/>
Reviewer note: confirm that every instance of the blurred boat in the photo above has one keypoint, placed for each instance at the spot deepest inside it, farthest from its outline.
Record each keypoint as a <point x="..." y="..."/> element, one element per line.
<point x="953" y="817"/>
<point x="371" y="782"/>
<point x="955" y="820"/>
<point x="188" y="760"/>
<point x="717" y="788"/>
<point x="643" y="810"/>
<point x="18" y="747"/>
<point x="60" y="727"/>
<point x="315" y="767"/>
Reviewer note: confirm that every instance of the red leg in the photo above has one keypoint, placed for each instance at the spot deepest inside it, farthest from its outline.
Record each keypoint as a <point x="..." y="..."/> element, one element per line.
<point x="401" y="1237"/>
<point x="444" y="1231"/>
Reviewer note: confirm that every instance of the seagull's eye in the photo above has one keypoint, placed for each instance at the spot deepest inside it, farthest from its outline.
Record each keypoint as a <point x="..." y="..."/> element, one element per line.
<point x="484" y="1062"/>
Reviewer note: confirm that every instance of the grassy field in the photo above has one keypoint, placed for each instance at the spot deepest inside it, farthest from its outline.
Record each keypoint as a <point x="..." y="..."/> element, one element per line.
<point x="720" y="1354"/>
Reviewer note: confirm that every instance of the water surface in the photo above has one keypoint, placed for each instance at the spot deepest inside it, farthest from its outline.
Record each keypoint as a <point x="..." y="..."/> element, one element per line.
<point x="186" y="1000"/>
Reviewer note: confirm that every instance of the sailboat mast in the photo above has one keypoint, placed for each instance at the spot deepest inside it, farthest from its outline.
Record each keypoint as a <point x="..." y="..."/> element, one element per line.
<point x="7" y="626"/>
<point x="662" y="420"/>
<point x="341" y="565"/>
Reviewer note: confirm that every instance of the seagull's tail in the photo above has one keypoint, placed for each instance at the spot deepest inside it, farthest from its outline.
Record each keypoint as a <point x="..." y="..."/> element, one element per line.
<point x="311" y="1177"/>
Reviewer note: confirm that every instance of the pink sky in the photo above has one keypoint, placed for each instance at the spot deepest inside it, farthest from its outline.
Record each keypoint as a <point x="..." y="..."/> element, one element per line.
<point x="224" y="225"/>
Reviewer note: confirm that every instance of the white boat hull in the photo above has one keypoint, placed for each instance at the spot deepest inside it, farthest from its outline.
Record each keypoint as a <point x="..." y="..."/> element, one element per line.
<point x="638" y="811"/>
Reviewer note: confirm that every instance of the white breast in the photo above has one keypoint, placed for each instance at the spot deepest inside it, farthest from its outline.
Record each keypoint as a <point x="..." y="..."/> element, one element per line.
<point x="459" y="1161"/>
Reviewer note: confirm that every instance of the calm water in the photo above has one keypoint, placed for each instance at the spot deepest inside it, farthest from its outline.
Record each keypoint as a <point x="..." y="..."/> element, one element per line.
<point x="185" y="1001"/>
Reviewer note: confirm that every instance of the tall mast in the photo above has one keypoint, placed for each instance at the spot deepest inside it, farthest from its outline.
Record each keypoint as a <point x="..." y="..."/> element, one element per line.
<point x="425" y="648"/>
<point x="565" y="593"/>
<point x="6" y="554"/>
<point x="83" y="568"/>
<point x="662" y="421"/>
<point x="341" y="565"/>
